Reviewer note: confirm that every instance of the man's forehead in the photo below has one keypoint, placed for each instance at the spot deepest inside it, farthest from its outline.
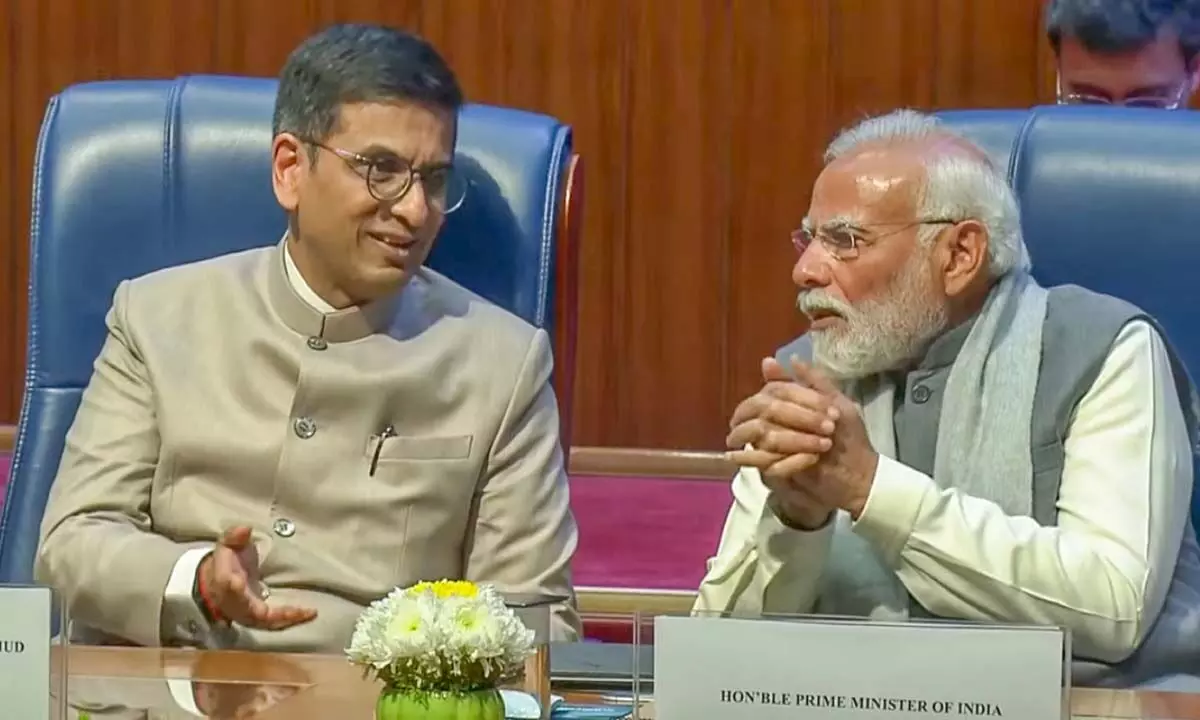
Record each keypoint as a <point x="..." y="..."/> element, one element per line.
<point x="871" y="185"/>
<point x="389" y="112"/>
<point x="404" y="128"/>
<point x="1157" y="64"/>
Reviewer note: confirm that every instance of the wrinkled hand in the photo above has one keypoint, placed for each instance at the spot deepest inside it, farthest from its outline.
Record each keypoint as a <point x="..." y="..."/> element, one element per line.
<point x="786" y="421"/>
<point x="230" y="577"/>
<point x="845" y="472"/>
<point x="796" y="505"/>
<point x="781" y="439"/>
<point x="795" y="445"/>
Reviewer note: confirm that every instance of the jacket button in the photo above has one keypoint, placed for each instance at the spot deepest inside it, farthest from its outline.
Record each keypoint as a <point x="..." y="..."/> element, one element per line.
<point x="921" y="394"/>
<point x="317" y="343"/>
<point x="305" y="427"/>
<point x="284" y="527"/>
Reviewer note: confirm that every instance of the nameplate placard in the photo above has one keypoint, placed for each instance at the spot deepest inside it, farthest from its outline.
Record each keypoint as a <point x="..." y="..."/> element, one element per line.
<point x="818" y="669"/>
<point x="25" y="622"/>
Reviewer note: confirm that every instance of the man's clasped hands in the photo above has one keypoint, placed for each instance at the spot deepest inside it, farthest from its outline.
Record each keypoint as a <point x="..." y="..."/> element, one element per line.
<point x="809" y="443"/>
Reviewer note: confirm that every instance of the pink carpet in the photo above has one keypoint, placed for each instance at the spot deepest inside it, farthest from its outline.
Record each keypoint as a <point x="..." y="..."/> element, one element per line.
<point x="634" y="532"/>
<point x="648" y="533"/>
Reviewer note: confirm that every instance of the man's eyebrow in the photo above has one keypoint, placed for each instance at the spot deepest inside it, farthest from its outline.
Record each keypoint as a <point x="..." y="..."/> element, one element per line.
<point x="840" y="222"/>
<point x="1086" y="89"/>
<point x="375" y="151"/>
<point x="845" y="222"/>
<point x="1151" y="90"/>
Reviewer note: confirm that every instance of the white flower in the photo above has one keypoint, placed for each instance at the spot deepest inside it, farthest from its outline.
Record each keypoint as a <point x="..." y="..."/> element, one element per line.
<point x="447" y="635"/>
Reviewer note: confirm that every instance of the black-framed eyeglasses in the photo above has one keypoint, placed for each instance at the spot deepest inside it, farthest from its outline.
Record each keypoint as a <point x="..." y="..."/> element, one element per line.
<point x="844" y="240"/>
<point x="1170" y="101"/>
<point x="389" y="178"/>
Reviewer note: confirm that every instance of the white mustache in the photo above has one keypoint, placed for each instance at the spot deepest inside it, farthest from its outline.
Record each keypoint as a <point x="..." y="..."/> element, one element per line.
<point x="812" y="301"/>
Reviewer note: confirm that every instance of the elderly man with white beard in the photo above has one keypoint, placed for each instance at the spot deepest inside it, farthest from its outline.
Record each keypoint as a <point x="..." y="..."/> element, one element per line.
<point x="952" y="440"/>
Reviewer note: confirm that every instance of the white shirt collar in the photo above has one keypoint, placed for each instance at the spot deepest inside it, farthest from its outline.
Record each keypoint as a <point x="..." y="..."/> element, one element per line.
<point x="301" y="287"/>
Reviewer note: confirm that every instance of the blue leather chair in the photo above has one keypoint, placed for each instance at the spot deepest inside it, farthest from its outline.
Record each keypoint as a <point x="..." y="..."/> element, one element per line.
<point x="133" y="176"/>
<point x="1110" y="200"/>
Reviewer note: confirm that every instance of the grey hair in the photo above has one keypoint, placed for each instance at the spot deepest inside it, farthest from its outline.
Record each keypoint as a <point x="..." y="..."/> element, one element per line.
<point x="959" y="185"/>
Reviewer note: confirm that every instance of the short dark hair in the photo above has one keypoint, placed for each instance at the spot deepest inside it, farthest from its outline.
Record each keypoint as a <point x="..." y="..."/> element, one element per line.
<point x="1114" y="26"/>
<point x="352" y="63"/>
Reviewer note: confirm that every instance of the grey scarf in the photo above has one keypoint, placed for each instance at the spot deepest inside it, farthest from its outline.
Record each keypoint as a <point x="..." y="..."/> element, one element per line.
<point x="983" y="444"/>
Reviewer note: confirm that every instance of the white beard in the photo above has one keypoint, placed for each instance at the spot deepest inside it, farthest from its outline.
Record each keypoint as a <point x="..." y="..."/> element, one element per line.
<point x="882" y="333"/>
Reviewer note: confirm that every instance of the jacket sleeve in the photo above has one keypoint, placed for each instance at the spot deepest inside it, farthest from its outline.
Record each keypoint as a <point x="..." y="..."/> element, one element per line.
<point x="97" y="546"/>
<point x="525" y="534"/>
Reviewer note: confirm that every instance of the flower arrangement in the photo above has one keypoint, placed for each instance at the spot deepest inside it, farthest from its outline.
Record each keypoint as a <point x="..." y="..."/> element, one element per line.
<point x="444" y="638"/>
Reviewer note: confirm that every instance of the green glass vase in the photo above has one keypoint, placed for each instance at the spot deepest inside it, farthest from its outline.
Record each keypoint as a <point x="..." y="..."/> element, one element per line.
<point x="411" y="705"/>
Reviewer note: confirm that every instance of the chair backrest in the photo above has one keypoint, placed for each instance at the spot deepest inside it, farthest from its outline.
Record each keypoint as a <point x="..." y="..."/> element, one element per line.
<point x="1110" y="200"/>
<point x="134" y="176"/>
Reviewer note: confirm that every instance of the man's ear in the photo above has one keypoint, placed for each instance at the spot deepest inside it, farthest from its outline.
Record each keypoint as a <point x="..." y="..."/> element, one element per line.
<point x="289" y="165"/>
<point x="964" y="254"/>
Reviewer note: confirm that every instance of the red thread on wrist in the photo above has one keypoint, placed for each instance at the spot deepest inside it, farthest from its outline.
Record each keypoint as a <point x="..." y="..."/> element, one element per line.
<point x="209" y="605"/>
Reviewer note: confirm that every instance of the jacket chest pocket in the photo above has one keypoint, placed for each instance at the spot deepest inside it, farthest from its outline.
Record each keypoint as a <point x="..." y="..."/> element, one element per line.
<point x="392" y="448"/>
<point x="416" y="504"/>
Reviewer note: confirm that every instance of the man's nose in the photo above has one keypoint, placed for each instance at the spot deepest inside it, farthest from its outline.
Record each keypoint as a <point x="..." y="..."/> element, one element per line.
<point x="811" y="270"/>
<point x="412" y="208"/>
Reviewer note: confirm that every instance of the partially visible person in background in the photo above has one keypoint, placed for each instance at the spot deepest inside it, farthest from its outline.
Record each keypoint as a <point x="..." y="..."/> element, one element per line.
<point x="1138" y="53"/>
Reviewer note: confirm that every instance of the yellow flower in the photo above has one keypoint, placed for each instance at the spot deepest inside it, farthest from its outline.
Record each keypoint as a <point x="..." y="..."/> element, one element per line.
<point x="447" y="588"/>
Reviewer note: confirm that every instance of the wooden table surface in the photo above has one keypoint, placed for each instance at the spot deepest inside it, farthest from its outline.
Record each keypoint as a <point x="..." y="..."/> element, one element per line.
<point x="298" y="687"/>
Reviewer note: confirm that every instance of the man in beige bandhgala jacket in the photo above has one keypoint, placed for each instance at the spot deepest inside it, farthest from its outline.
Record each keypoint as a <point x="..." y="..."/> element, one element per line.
<point x="372" y="423"/>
